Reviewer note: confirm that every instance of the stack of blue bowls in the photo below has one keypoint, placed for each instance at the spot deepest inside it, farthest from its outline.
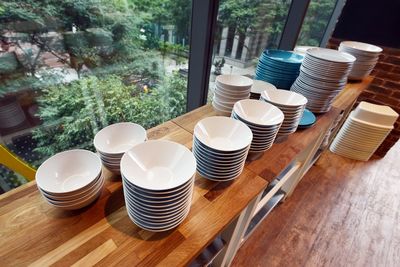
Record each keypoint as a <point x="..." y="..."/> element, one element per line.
<point x="278" y="67"/>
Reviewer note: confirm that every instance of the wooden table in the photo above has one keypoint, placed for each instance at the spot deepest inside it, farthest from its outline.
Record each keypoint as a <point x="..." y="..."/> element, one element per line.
<point x="33" y="232"/>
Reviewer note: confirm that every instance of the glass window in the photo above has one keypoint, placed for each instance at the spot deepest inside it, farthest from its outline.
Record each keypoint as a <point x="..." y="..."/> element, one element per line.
<point x="244" y="29"/>
<point x="318" y="14"/>
<point x="69" y="68"/>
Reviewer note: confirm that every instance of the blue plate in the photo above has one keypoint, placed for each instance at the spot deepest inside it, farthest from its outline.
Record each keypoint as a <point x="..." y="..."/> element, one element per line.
<point x="307" y="120"/>
<point x="283" y="56"/>
<point x="267" y="59"/>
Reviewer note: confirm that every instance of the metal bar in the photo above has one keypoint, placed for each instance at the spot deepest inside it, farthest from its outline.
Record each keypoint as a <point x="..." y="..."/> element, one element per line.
<point x="332" y="22"/>
<point x="204" y="19"/>
<point x="262" y="214"/>
<point x="294" y="21"/>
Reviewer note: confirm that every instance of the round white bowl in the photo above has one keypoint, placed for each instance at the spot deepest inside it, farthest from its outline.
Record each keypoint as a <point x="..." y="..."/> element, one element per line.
<point x="258" y="112"/>
<point x="68" y="172"/>
<point x="119" y="137"/>
<point x="284" y="98"/>
<point x="223" y="134"/>
<point x="158" y="165"/>
<point x="232" y="81"/>
<point x="364" y="47"/>
<point x="260" y="86"/>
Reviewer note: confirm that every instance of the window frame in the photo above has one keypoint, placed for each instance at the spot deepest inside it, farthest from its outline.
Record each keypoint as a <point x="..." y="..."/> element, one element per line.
<point x="202" y="38"/>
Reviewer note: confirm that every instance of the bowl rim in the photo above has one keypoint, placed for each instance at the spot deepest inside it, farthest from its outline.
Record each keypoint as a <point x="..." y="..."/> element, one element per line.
<point x="261" y="104"/>
<point x="136" y="181"/>
<point x="223" y="122"/>
<point x="264" y="95"/>
<point x="39" y="173"/>
<point x="99" y="147"/>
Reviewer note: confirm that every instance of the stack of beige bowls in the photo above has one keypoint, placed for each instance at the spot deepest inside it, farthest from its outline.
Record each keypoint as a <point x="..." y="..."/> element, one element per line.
<point x="228" y="90"/>
<point x="364" y="131"/>
<point x="366" y="55"/>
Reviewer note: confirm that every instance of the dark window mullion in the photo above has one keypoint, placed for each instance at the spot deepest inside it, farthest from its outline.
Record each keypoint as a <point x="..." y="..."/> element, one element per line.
<point x="332" y="22"/>
<point x="203" y="25"/>
<point x="294" y="22"/>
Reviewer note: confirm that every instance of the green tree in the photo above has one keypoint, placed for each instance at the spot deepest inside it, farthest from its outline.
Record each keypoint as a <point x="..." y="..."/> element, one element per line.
<point x="317" y="18"/>
<point x="73" y="113"/>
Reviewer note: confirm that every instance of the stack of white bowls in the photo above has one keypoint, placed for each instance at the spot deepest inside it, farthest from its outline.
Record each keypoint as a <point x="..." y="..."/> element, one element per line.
<point x="228" y="90"/>
<point x="11" y="114"/>
<point x="71" y="179"/>
<point x="290" y="103"/>
<point x="158" y="179"/>
<point x="114" y="140"/>
<point x="258" y="87"/>
<point x="323" y="74"/>
<point x="364" y="131"/>
<point x="220" y="146"/>
<point x="367" y="56"/>
<point x="262" y="118"/>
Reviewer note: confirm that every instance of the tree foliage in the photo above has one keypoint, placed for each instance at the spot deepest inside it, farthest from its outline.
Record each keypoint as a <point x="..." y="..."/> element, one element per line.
<point x="73" y="113"/>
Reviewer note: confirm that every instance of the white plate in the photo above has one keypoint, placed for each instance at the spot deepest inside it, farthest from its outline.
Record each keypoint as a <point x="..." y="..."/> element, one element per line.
<point x="330" y="55"/>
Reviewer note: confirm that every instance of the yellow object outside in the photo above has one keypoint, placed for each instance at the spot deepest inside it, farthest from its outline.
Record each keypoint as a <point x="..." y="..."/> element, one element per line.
<point x="13" y="162"/>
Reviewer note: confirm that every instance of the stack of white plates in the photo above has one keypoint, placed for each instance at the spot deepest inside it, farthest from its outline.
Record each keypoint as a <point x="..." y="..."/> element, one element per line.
<point x="262" y="118"/>
<point x="158" y="179"/>
<point x="114" y="140"/>
<point x="228" y="90"/>
<point x="11" y="114"/>
<point x="258" y="87"/>
<point x="367" y="56"/>
<point x="220" y="146"/>
<point x="364" y="131"/>
<point x="290" y="103"/>
<point x="323" y="74"/>
<point x="71" y="179"/>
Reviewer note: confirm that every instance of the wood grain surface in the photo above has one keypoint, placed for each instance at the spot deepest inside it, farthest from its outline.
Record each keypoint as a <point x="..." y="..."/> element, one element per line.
<point x="34" y="233"/>
<point x="343" y="213"/>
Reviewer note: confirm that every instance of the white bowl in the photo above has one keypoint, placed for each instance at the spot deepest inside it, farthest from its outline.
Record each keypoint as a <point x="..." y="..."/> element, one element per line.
<point x="223" y="134"/>
<point x="284" y="98"/>
<point x="258" y="112"/>
<point x="119" y="138"/>
<point x="158" y="165"/>
<point x="364" y="47"/>
<point x="68" y="172"/>
<point x="260" y="86"/>
<point x="232" y="81"/>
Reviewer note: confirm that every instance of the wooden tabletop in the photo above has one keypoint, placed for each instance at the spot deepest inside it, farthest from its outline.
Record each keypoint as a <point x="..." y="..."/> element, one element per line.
<point x="33" y="232"/>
